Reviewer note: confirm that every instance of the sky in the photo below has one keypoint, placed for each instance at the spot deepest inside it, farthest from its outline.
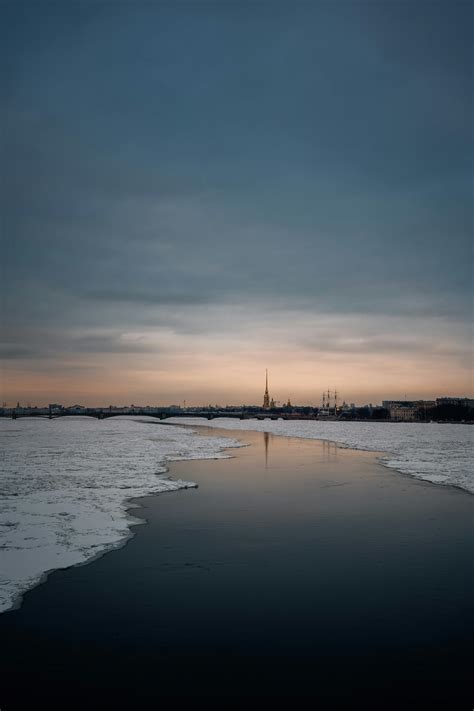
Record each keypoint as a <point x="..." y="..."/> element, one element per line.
<point x="193" y="192"/>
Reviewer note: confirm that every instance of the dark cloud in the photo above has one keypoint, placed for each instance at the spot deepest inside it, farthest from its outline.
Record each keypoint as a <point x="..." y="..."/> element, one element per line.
<point x="164" y="158"/>
<point x="37" y="344"/>
<point x="104" y="343"/>
<point x="12" y="351"/>
<point x="158" y="296"/>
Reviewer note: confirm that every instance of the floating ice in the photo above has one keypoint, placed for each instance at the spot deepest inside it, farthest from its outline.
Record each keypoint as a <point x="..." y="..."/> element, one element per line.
<point x="65" y="484"/>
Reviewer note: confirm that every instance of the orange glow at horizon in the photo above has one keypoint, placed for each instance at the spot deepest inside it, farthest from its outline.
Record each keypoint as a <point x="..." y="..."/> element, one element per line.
<point x="366" y="358"/>
<point x="223" y="379"/>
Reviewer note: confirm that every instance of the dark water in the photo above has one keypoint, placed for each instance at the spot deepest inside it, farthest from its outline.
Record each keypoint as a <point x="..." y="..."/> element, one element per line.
<point x="296" y="569"/>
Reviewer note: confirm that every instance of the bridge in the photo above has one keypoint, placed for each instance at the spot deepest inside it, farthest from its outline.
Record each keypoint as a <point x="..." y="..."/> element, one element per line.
<point x="102" y="413"/>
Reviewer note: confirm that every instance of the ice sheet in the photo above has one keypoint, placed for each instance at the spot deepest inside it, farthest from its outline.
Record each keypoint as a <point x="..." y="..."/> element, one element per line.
<point x="65" y="485"/>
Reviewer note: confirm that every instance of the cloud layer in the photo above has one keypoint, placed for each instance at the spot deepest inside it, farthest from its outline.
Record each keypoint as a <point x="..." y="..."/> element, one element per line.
<point x="194" y="192"/>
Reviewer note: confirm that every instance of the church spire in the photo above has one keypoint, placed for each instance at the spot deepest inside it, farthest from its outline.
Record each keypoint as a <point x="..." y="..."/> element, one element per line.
<point x="266" y="397"/>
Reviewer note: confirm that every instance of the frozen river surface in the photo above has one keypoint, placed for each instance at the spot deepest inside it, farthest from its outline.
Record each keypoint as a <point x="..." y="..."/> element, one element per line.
<point x="65" y="484"/>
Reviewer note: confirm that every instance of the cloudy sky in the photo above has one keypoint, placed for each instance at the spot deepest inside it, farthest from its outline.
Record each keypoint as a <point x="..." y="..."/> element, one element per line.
<point x="195" y="191"/>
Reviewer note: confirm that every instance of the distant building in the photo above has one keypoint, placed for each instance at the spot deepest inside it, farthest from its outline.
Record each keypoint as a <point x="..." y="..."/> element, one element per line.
<point x="459" y="401"/>
<point x="407" y="410"/>
<point x="427" y="405"/>
<point x="266" y="397"/>
<point x="401" y="410"/>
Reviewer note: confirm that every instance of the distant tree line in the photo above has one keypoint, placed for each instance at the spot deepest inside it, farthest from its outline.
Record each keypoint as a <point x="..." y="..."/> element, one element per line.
<point x="366" y="413"/>
<point x="448" y="413"/>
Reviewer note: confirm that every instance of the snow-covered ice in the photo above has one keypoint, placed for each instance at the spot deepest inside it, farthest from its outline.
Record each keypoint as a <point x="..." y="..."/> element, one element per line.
<point x="439" y="453"/>
<point x="65" y="485"/>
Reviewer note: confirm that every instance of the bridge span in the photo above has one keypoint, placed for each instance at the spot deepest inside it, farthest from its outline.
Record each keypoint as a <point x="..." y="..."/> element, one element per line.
<point x="161" y="414"/>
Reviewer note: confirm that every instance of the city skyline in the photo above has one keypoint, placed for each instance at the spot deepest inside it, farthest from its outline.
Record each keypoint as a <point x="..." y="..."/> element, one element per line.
<point x="329" y="399"/>
<point x="193" y="190"/>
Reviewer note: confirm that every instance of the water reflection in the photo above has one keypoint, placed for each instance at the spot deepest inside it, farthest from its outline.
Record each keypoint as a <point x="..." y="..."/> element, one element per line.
<point x="330" y="450"/>
<point x="266" y="438"/>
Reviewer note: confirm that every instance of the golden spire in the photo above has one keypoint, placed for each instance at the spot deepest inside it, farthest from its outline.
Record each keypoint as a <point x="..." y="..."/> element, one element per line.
<point x="266" y="397"/>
